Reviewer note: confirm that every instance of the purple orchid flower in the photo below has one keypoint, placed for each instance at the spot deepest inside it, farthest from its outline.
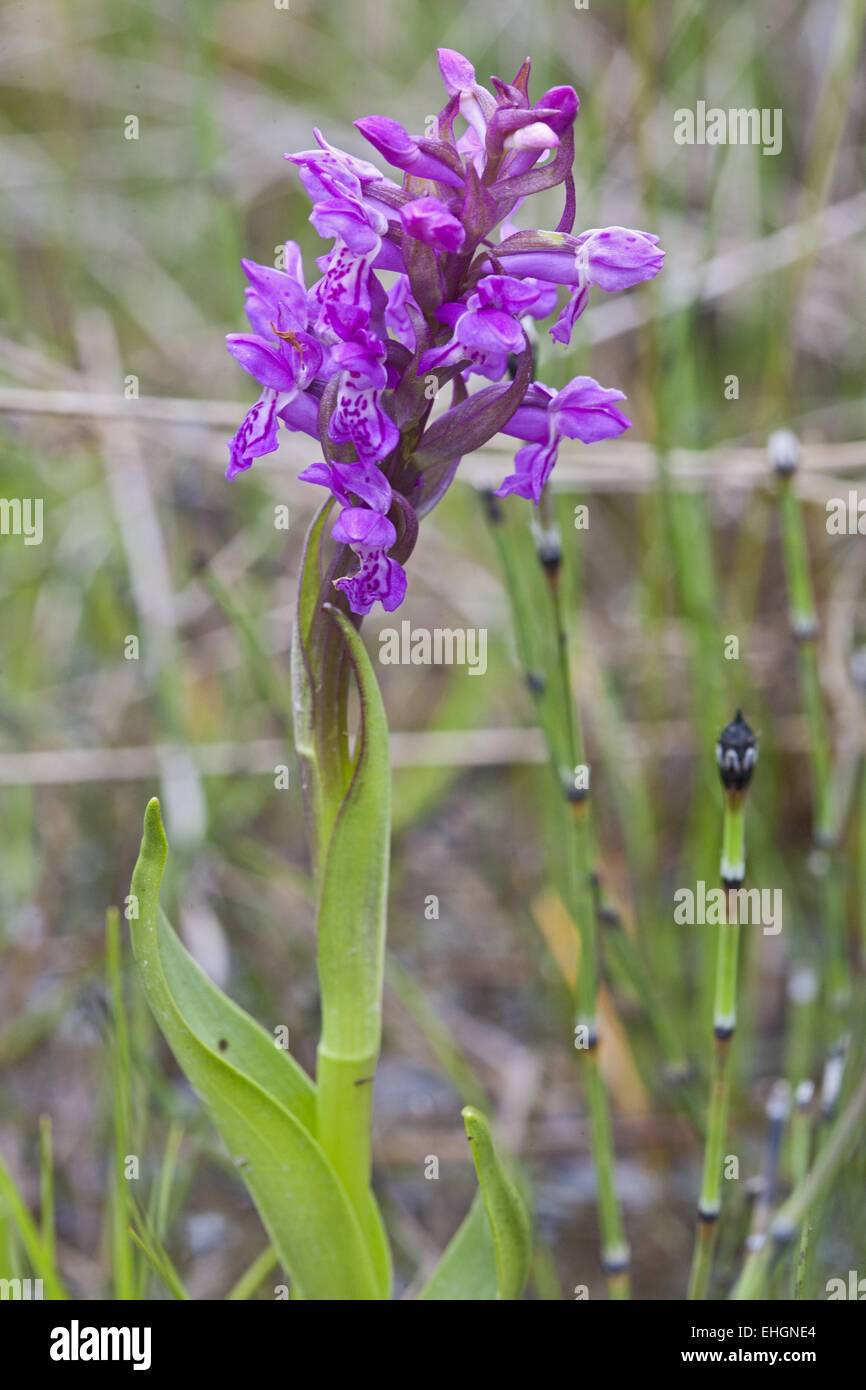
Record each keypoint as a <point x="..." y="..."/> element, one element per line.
<point x="487" y="328"/>
<point x="583" y="410"/>
<point x="349" y="362"/>
<point x="359" y="418"/>
<point x="379" y="577"/>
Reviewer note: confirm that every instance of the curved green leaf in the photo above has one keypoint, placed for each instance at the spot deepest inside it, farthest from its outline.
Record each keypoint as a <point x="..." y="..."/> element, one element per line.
<point x="489" y="1256"/>
<point x="301" y="1201"/>
<point x="215" y="1019"/>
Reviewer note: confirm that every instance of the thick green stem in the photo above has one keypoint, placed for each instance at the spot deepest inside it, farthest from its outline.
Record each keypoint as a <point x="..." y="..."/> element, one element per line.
<point x="344" y="1117"/>
<point x="733" y="867"/>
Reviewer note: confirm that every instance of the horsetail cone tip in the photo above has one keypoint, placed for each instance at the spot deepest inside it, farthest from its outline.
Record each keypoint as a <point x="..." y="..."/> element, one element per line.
<point x="736" y="755"/>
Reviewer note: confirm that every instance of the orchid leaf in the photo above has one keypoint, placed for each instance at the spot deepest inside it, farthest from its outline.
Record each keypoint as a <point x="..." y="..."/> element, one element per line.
<point x="489" y="1256"/>
<point x="301" y="1201"/>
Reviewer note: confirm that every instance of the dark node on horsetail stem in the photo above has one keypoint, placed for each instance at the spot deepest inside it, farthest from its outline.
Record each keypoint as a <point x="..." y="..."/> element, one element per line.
<point x="831" y="1081"/>
<point x="492" y="505"/>
<point x="536" y="682"/>
<point x="549" y="547"/>
<point x="783" y="447"/>
<point x="707" y="1216"/>
<point x="616" y="1264"/>
<point x="804" y="1095"/>
<point x="805" y="628"/>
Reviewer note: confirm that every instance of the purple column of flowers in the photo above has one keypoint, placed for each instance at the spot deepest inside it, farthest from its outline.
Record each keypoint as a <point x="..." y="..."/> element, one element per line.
<point x="428" y="276"/>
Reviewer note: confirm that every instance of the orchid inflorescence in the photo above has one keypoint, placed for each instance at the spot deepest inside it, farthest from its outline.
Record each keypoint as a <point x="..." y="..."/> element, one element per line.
<point x="351" y="363"/>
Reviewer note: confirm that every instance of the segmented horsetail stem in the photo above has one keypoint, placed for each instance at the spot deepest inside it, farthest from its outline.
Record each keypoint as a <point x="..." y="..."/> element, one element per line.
<point x="736" y="755"/>
<point x="777" y="1111"/>
<point x="614" y="1247"/>
<point x="804" y="1198"/>
<point x="628" y="958"/>
<point x="818" y="1126"/>
<point x="784" y="453"/>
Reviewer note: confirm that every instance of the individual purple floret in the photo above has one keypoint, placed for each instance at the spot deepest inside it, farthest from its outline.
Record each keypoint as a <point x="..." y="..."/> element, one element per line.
<point x="428" y="284"/>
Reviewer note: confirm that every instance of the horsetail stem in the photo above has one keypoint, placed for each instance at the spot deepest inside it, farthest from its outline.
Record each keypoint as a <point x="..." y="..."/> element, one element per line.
<point x="783" y="448"/>
<point x="736" y="754"/>
<point x="543" y="649"/>
<point x="615" y="1250"/>
<point x="777" y="1110"/>
<point x="793" y="1213"/>
<point x="831" y="1089"/>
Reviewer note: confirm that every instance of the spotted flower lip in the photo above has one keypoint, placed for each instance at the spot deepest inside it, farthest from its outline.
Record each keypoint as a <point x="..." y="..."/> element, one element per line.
<point x="356" y="364"/>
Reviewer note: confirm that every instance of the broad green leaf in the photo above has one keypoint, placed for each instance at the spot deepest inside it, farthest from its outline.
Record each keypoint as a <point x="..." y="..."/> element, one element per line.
<point x="214" y="1018"/>
<point x="489" y="1256"/>
<point x="300" y="1199"/>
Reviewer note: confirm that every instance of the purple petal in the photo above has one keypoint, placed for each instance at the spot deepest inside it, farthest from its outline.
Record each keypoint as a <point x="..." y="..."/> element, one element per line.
<point x="401" y="150"/>
<point x="265" y="363"/>
<point x="534" y="465"/>
<point x="427" y="220"/>
<point x="256" y="436"/>
<point x="458" y="74"/>
<point x="301" y="413"/>
<point x="618" y="257"/>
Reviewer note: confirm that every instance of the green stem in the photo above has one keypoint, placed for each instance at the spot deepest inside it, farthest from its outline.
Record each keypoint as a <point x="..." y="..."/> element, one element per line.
<point x="344" y="1114"/>
<point x="733" y="868"/>
<point x="804" y="625"/>
<point x="615" y="1250"/>
<point x="801" y="1153"/>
